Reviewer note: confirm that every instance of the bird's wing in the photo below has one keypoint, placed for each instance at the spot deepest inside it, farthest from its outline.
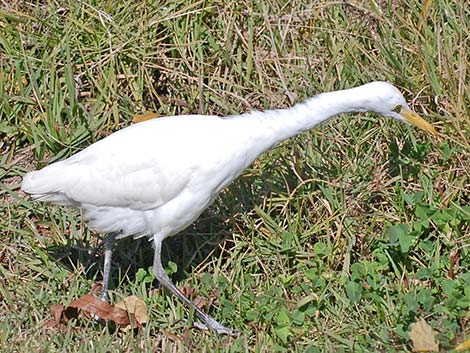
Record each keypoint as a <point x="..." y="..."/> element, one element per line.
<point x="140" y="167"/>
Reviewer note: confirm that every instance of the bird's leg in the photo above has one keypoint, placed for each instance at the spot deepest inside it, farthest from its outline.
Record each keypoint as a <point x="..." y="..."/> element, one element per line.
<point x="164" y="280"/>
<point x="108" y="252"/>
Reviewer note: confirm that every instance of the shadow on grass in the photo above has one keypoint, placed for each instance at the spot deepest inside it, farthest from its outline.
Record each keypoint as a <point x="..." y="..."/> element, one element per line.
<point x="188" y="249"/>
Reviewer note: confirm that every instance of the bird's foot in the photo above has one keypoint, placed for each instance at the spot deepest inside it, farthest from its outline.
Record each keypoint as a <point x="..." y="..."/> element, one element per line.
<point x="216" y="327"/>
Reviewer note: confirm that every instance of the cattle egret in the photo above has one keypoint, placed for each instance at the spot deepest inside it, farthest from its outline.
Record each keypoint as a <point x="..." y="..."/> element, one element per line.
<point x="156" y="177"/>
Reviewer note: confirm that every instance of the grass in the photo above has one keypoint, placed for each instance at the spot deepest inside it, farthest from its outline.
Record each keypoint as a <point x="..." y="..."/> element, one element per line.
<point x="336" y="241"/>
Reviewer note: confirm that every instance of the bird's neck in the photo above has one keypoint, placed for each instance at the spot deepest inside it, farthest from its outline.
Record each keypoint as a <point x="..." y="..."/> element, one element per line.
<point x="274" y="126"/>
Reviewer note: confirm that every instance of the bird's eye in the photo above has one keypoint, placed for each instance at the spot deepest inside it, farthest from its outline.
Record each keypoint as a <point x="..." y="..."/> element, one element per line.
<point x="397" y="108"/>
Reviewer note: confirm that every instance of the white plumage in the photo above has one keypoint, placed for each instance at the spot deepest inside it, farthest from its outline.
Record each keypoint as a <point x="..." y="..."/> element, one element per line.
<point x="152" y="177"/>
<point x="156" y="177"/>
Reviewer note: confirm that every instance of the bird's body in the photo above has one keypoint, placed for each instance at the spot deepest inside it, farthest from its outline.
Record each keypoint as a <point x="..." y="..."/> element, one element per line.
<point x="156" y="177"/>
<point x="146" y="178"/>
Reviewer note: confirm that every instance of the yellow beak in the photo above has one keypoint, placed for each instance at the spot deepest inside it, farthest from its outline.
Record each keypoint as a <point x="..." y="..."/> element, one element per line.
<point x="416" y="120"/>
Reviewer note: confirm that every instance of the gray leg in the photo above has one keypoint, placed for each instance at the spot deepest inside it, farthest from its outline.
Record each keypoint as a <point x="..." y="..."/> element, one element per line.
<point x="108" y="252"/>
<point x="164" y="280"/>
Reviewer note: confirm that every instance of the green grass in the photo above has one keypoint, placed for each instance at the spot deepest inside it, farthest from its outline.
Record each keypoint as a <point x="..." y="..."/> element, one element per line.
<point x="336" y="241"/>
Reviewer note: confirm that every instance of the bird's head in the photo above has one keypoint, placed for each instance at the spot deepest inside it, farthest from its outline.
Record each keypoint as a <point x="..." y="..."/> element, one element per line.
<point x="387" y="100"/>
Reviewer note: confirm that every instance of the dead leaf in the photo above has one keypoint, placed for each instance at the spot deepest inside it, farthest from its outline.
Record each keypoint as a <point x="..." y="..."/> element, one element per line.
<point x="187" y="291"/>
<point x="199" y="302"/>
<point x="138" y="118"/>
<point x="131" y="309"/>
<point x="57" y="311"/>
<point x="57" y="323"/>
<point x="424" y="13"/>
<point x="172" y="336"/>
<point x="423" y="337"/>
<point x="94" y="306"/>
<point x="136" y="308"/>
<point x="463" y="346"/>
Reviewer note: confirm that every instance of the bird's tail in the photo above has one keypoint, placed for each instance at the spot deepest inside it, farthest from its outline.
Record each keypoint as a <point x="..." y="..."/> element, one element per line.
<point x="45" y="185"/>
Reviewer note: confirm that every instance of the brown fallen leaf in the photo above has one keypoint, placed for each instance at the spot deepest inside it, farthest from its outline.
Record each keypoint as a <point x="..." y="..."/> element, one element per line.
<point x="57" y="322"/>
<point x="424" y="13"/>
<point x="143" y="117"/>
<point x="187" y="291"/>
<point x="87" y="306"/>
<point x="131" y="309"/>
<point x="136" y="308"/>
<point x="198" y="301"/>
<point x="57" y="312"/>
<point x="94" y="306"/>
<point x="423" y="337"/>
<point x="172" y="336"/>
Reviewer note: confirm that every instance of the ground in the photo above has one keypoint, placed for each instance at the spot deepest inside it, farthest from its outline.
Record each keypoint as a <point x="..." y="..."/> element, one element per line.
<point x="339" y="240"/>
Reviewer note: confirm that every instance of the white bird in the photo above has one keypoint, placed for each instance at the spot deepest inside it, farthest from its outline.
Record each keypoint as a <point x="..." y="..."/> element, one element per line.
<point x="156" y="177"/>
